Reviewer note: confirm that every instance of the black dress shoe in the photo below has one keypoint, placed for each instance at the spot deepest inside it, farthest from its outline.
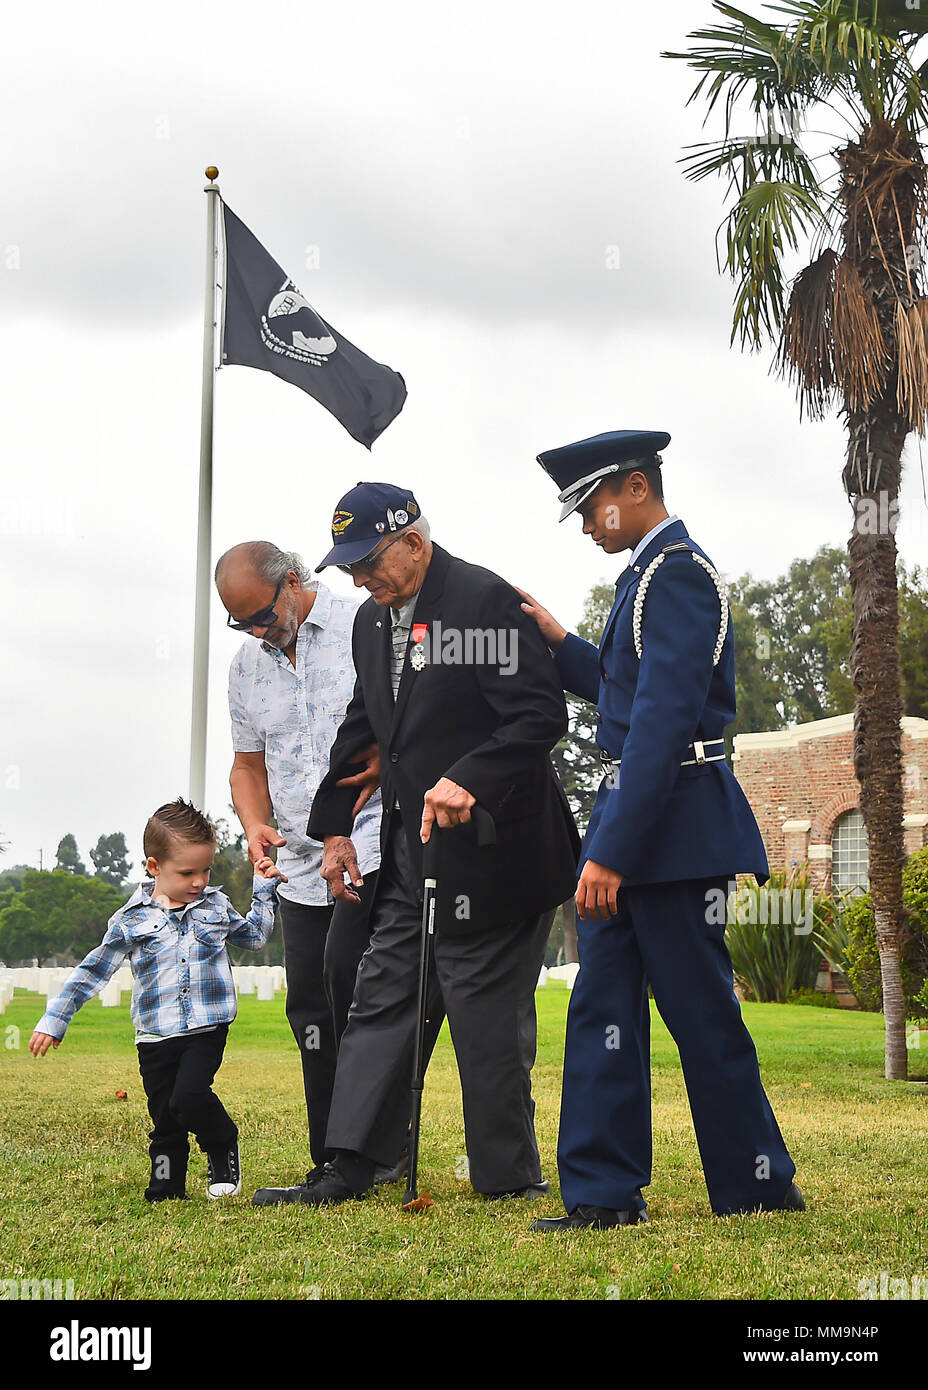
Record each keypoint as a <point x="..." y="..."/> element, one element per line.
<point x="589" y="1218"/>
<point x="274" y="1196"/>
<point x="327" y="1191"/>
<point x="384" y="1175"/>
<point x="791" y="1202"/>
<point x="534" y="1189"/>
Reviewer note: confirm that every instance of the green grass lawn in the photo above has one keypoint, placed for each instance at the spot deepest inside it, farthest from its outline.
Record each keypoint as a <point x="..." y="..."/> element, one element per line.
<point x="74" y="1163"/>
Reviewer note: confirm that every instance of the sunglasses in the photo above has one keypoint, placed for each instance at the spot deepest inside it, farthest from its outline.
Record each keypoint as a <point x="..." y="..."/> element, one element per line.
<point x="265" y="618"/>
<point x="370" y="562"/>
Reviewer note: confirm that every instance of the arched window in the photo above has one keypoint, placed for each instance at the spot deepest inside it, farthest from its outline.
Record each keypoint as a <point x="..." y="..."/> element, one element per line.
<point x="850" y="856"/>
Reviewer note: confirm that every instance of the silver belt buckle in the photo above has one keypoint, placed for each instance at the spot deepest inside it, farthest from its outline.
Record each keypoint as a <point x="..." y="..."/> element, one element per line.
<point x="699" y="750"/>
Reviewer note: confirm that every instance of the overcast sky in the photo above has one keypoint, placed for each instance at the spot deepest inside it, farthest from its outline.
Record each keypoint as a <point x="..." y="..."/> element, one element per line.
<point x="451" y="186"/>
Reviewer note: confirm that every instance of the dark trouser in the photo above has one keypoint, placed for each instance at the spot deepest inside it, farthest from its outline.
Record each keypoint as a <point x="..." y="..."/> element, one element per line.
<point x="486" y="980"/>
<point x="178" y="1075"/>
<point x="661" y="934"/>
<point x="322" y="948"/>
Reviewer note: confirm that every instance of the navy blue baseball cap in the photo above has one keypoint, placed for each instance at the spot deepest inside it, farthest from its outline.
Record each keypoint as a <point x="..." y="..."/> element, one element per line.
<point x="578" y="469"/>
<point x="364" y="516"/>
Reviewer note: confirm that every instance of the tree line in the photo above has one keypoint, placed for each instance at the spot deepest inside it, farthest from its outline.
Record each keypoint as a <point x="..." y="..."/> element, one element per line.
<point x="792" y="654"/>
<point x="57" y="916"/>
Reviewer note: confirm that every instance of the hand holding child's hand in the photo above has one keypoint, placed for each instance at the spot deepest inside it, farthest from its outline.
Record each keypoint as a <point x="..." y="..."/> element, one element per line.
<point x="39" y="1043"/>
<point x="268" y="869"/>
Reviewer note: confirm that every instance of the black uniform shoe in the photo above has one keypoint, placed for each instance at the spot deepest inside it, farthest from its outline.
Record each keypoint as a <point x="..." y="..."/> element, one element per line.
<point x="159" y="1195"/>
<point x="383" y="1175"/>
<point x="791" y="1202"/>
<point x="273" y="1196"/>
<point x="589" y="1218"/>
<point x="328" y="1189"/>
<point x="534" y="1189"/>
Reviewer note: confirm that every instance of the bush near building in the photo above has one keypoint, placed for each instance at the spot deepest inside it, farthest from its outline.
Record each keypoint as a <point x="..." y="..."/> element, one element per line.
<point x="862" y="960"/>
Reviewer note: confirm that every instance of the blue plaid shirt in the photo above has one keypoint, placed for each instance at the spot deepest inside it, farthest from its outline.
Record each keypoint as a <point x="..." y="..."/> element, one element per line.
<point x="180" y="966"/>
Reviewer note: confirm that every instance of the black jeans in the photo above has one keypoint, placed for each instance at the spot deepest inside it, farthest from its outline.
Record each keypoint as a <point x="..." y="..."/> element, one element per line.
<point x="322" y="948"/>
<point x="178" y="1075"/>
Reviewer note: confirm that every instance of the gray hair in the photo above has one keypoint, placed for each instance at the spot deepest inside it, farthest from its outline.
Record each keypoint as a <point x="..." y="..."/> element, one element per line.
<point x="269" y="562"/>
<point x="422" y="526"/>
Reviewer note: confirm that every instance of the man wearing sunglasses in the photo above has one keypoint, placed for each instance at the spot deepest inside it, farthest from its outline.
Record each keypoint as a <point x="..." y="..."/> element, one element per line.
<point x="288" y="690"/>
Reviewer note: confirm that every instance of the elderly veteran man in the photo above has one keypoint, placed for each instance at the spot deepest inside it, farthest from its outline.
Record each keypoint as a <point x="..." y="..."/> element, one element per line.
<point x="289" y="686"/>
<point x="669" y="830"/>
<point x="455" y="723"/>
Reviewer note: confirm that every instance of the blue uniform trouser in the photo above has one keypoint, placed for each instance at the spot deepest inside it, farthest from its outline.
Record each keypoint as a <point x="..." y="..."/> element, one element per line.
<point x="661" y="936"/>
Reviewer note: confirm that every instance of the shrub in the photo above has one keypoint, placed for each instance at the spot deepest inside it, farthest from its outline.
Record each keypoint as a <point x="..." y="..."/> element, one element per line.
<point x="814" y="997"/>
<point x="773" y="935"/>
<point x="855" y="941"/>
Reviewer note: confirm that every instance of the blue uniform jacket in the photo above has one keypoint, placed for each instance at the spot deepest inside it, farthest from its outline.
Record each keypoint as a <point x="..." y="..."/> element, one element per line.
<point x="663" y="822"/>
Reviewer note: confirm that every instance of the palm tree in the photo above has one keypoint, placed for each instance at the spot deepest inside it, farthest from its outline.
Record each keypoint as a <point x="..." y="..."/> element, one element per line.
<point x="854" y="329"/>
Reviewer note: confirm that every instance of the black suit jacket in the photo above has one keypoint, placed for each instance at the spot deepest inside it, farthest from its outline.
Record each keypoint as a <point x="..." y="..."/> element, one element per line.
<point x="488" y="731"/>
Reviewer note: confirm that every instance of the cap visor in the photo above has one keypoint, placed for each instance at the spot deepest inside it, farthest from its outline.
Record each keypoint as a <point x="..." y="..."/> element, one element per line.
<point x="574" y="501"/>
<point x="348" y="554"/>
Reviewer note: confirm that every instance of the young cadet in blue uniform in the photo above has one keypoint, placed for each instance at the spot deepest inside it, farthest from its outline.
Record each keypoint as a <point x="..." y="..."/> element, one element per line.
<point x="669" y="830"/>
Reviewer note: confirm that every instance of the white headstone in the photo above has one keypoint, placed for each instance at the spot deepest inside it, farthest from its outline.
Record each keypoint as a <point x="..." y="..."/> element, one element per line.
<point x="111" y="994"/>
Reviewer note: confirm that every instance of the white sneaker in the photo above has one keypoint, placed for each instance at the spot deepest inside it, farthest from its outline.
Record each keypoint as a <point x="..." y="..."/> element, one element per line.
<point x="224" y="1172"/>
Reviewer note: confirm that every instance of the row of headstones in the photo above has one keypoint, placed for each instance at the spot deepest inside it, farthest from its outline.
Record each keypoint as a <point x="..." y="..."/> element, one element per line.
<point x="263" y="980"/>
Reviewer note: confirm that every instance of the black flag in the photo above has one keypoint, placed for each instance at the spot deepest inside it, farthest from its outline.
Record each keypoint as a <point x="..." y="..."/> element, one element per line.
<point x="268" y="324"/>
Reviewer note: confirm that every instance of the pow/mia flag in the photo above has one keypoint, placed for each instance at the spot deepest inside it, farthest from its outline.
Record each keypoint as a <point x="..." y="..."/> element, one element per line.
<point x="269" y="325"/>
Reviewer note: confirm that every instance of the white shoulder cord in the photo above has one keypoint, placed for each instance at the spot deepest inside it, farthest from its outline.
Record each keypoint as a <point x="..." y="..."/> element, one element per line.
<point x="643" y="589"/>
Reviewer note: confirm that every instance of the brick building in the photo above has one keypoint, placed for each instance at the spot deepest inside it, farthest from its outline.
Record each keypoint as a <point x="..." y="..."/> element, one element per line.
<point x="801" y="786"/>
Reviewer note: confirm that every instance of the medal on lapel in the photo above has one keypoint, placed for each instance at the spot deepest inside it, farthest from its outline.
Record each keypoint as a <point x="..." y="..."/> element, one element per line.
<point x="417" y="656"/>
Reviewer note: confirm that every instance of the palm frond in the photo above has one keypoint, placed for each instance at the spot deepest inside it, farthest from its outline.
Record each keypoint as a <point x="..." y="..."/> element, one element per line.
<point x="750" y="160"/>
<point x="839" y="46"/>
<point x="763" y="223"/>
<point x="912" y="361"/>
<point x="861" y="359"/>
<point x="753" y="58"/>
<point x="805" y="349"/>
<point x="863" y="51"/>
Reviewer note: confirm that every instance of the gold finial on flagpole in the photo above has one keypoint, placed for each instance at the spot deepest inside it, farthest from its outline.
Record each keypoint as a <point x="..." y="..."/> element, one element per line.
<point x="212" y="173"/>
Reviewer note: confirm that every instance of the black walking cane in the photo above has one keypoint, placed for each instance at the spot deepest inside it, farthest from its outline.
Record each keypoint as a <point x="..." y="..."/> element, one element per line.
<point x="486" y="835"/>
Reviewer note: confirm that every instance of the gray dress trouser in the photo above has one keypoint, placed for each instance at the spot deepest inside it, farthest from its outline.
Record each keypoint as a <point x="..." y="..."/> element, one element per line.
<point x="485" y="981"/>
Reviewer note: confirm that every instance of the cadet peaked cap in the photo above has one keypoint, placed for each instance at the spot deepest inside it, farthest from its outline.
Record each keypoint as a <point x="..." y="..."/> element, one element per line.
<point x="579" y="468"/>
<point x="364" y="516"/>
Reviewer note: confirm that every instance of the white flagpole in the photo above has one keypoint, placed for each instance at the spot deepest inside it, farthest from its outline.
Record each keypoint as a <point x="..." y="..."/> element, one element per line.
<point x="197" y="790"/>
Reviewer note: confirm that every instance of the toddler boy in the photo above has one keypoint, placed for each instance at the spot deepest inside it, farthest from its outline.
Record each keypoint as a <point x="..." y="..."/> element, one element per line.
<point x="174" y="931"/>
